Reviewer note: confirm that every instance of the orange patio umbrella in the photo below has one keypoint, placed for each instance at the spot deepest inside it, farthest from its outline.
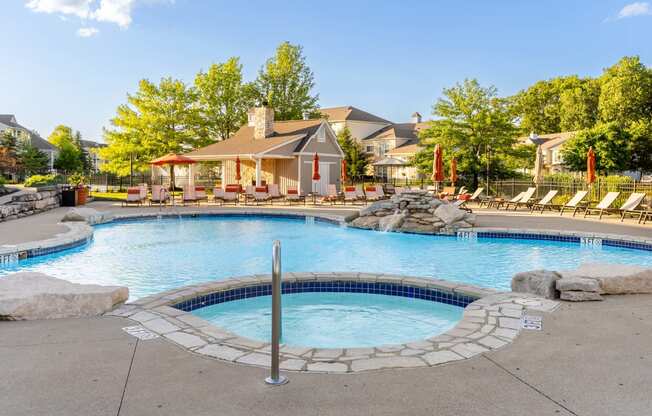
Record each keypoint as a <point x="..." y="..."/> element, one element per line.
<point x="238" y="177"/>
<point x="315" y="168"/>
<point x="453" y="171"/>
<point x="172" y="159"/>
<point x="344" y="177"/>
<point x="438" y="165"/>
<point x="590" y="166"/>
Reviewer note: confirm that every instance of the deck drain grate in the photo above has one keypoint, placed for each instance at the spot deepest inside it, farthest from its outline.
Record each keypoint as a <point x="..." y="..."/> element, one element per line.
<point x="140" y="332"/>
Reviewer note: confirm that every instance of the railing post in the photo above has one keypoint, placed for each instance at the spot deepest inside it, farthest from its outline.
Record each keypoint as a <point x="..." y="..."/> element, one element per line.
<point x="275" y="378"/>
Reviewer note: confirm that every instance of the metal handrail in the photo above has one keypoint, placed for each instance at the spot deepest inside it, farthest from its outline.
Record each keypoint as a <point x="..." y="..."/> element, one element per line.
<point x="275" y="378"/>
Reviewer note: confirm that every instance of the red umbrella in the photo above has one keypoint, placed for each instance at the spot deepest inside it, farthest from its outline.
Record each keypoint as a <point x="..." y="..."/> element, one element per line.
<point x="438" y="165"/>
<point x="344" y="177"/>
<point x="453" y="171"/>
<point x="237" y="169"/>
<point x="590" y="166"/>
<point x="172" y="159"/>
<point x="315" y="168"/>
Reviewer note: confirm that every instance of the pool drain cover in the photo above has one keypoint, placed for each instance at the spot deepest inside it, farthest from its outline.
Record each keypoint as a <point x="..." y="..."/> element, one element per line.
<point x="140" y="332"/>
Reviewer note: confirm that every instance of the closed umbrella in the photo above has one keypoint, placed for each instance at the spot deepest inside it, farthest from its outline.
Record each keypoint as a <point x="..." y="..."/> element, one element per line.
<point x="538" y="165"/>
<point x="238" y="177"/>
<point x="590" y="166"/>
<point x="453" y="171"/>
<point x="438" y="165"/>
<point x="315" y="168"/>
<point x="344" y="176"/>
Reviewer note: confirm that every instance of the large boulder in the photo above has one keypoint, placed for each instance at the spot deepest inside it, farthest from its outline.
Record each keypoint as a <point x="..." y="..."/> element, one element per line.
<point x="27" y="296"/>
<point x="370" y="222"/>
<point x="614" y="279"/>
<point x="577" y="283"/>
<point x="450" y="214"/>
<point x="89" y="215"/>
<point x="579" y="296"/>
<point x="538" y="282"/>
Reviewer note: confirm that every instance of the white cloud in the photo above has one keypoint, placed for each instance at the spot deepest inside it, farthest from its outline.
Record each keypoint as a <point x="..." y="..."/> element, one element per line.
<point x="87" y="32"/>
<point x="80" y="8"/>
<point x="635" y="9"/>
<point x="115" y="11"/>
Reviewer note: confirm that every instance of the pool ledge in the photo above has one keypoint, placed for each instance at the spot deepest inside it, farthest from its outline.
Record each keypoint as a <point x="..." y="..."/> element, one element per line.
<point x="490" y="321"/>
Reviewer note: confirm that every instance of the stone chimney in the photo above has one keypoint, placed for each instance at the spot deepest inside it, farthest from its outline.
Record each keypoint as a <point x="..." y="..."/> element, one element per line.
<point x="416" y="117"/>
<point x="263" y="122"/>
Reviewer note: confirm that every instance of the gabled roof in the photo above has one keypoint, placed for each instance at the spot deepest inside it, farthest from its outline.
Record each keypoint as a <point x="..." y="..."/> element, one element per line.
<point x="40" y="143"/>
<point x="242" y="143"/>
<point x="557" y="139"/>
<point x="350" y="113"/>
<point x="400" y="130"/>
<point x="408" y="148"/>
<point x="9" y="120"/>
<point x="563" y="136"/>
<point x="91" y="144"/>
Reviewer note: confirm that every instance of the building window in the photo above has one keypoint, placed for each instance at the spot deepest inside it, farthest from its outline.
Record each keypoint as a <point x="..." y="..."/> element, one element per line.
<point x="321" y="135"/>
<point x="369" y="148"/>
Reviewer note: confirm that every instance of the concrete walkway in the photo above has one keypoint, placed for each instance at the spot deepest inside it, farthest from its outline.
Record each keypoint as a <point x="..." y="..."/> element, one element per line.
<point x="592" y="359"/>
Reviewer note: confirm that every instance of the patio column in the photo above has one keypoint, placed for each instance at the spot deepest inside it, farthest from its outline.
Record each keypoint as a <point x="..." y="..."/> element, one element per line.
<point x="191" y="175"/>
<point x="258" y="171"/>
<point x="223" y="174"/>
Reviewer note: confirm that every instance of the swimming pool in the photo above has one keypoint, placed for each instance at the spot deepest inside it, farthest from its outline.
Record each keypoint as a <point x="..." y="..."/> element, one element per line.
<point x="151" y="256"/>
<point x="336" y="320"/>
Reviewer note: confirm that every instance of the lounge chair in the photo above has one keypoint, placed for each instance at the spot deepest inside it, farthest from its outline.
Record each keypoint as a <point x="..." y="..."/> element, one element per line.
<point x="360" y="192"/>
<point x="575" y="202"/>
<point x="447" y="191"/>
<point x="189" y="195"/>
<point x="293" y="195"/>
<point x="371" y="193"/>
<point x="526" y="200"/>
<point x="462" y="191"/>
<point x="218" y="195"/>
<point x="603" y="206"/>
<point x="160" y="195"/>
<point x="200" y="194"/>
<point x="498" y="202"/>
<point x="350" y="195"/>
<point x="143" y="191"/>
<point x="134" y="196"/>
<point x="630" y="207"/>
<point x="461" y="201"/>
<point x="274" y="192"/>
<point x="231" y="193"/>
<point x="331" y="195"/>
<point x="261" y="195"/>
<point x="380" y="192"/>
<point x="545" y="202"/>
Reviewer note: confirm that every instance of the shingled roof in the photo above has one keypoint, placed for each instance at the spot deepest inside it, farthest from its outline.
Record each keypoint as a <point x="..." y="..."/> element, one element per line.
<point x="242" y="143"/>
<point x="35" y="140"/>
<point x="350" y="113"/>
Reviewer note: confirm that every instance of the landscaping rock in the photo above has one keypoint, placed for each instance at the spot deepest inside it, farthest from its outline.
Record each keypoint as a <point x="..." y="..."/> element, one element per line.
<point x="578" y="283"/>
<point x="615" y="279"/>
<point x="28" y="296"/>
<point x="368" y="222"/>
<point x="538" y="282"/>
<point x="89" y="215"/>
<point x="579" y="296"/>
<point x="450" y="214"/>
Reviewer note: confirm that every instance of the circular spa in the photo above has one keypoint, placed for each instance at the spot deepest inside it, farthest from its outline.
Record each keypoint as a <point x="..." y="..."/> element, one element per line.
<point x="155" y="255"/>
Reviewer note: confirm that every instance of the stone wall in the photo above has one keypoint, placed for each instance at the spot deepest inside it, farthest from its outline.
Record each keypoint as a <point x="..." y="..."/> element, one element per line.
<point x="414" y="211"/>
<point x="29" y="204"/>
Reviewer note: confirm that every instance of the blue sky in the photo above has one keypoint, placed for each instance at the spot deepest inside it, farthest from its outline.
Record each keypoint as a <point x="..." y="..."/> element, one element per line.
<point x="390" y="58"/>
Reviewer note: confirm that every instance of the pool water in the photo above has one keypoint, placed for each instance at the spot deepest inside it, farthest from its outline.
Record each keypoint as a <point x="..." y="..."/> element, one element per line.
<point x="336" y="320"/>
<point x="151" y="256"/>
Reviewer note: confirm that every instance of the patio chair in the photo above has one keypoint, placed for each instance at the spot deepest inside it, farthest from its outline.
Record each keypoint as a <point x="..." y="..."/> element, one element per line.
<point x="359" y="191"/>
<point x="498" y="202"/>
<point x="160" y="195"/>
<point x="461" y="201"/>
<point x="575" y="202"/>
<point x="293" y="195"/>
<point x="143" y="190"/>
<point x="462" y="191"/>
<point x="261" y="195"/>
<point x="447" y="191"/>
<point x="189" y="195"/>
<point x="603" y="206"/>
<point x="331" y="195"/>
<point x="545" y="202"/>
<point x="200" y="194"/>
<point x="248" y="193"/>
<point x="371" y="194"/>
<point x="134" y="196"/>
<point x="350" y="195"/>
<point x="380" y="192"/>
<point x="231" y="193"/>
<point x="526" y="200"/>
<point x="274" y="192"/>
<point x="630" y="207"/>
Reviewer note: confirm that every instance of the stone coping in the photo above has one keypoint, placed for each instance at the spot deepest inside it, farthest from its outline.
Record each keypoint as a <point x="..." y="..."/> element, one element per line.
<point x="490" y="322"/>
<point x="80" y="233"/>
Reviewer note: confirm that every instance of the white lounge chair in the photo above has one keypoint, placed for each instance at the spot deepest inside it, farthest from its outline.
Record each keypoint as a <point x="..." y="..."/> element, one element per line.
<point x="134" y="196"/>
<point x="371" y="193"/>
<point x="526" y="200"/>
<point x="359" y="191"/>
<point x="603" y="206"/>
<point x="200" y="194"/>
<point x="498" y="202"/>
<point x="274" y="191"/>
<point x="143" y="190"/>
<point x="545" y="202"/>
<point x="575" y="202"/>
<point x="189" y="195"/>
<point x="231" y="193"/>
<point x="350" y="195"/>
<point x="293" y="195"/>
<point x="630" y="207"/>
<point x="331" y="195"/>
<point x="160" y="195"/>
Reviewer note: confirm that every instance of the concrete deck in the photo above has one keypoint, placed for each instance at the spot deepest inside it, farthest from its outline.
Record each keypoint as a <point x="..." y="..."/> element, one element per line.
<point x="590" y="359"/>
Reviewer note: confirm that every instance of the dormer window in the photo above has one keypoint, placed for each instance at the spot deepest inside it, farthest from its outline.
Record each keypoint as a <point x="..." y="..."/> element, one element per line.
<point x="321" y="135"/>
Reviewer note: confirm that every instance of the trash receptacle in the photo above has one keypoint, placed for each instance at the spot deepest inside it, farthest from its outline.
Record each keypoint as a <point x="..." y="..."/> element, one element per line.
<point x="68" y="197"/>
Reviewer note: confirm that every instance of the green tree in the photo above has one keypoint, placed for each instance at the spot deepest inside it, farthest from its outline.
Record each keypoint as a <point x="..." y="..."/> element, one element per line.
<point x="626" y="92"/>
<point x="9" y="162"/>
<point x="61" y="136"/>
<point x="610" y="142"/>
<point x="285" y="82"/>
<point x="579" y="104"/>
<point x="356" y="159"/>
<point x="69" y="158"/>
<point x="474" y="125"/>
<point x="223" y="99"/>
<point x="158" y="119"/>
<point x="84" y="157"/>
<point x="32" y="160"/>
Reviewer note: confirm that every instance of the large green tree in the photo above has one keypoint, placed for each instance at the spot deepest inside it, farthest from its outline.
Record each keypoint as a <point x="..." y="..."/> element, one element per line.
<point x="32" y="160"/>
<point x="626" y="92"/>
<point x="223" y="99"/>
<point x="9" y="161"/>
<point x="285" y="82"/>
<point x="157" y="119"/>
<point x="471" y="123"/>
<point x="356" y="158"/>
<point x="61" y="135"/>
<point x="610" y="142"/>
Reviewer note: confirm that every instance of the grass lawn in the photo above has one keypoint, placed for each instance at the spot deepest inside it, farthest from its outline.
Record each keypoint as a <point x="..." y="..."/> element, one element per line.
<point x="109" y="196"/>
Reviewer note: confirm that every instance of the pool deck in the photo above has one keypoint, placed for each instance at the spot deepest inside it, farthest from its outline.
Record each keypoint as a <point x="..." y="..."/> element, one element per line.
<point x="590" y="359"/>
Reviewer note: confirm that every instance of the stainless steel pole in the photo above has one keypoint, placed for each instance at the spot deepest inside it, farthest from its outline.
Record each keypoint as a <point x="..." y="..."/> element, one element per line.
<point x="275" y="378"/>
